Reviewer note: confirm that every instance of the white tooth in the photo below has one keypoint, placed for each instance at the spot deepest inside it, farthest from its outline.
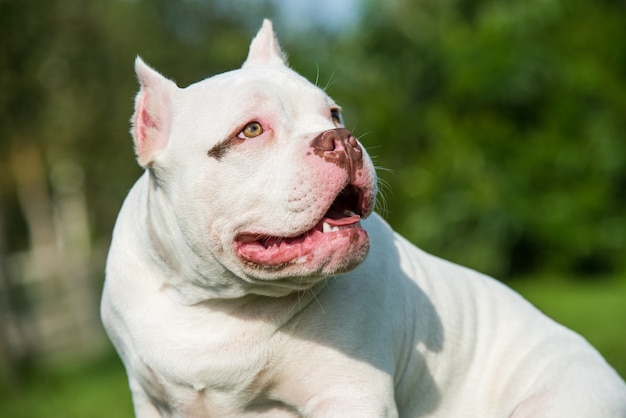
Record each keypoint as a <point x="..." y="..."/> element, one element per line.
<point x="326" y="227"/>
<point x="348" y="213"/>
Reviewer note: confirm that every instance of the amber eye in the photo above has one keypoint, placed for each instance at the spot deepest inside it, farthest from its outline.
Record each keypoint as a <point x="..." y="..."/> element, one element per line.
<point x="335" y="115"/>
<point x="251" y="130"/>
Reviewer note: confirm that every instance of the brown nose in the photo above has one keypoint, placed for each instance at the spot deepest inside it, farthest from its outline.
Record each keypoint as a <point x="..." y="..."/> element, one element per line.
<point x="339" y="147"/>
<point x="333" y="139"/>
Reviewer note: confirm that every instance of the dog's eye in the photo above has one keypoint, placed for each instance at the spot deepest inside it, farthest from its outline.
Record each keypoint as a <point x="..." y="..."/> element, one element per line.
<point x="251" y="130"/>
<point x="335" y="115"/>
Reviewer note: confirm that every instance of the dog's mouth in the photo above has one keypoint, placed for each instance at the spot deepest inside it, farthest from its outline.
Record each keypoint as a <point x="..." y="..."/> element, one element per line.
<point x="340" y="221"/>
<point x="346" y="210"/>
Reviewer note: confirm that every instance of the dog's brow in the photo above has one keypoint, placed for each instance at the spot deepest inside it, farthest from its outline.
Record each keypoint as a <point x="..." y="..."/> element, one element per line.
<point x="218" y="150"/>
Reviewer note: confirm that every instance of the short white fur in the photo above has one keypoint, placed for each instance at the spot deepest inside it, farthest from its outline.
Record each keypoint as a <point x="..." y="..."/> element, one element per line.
<point x="404" y="334"/>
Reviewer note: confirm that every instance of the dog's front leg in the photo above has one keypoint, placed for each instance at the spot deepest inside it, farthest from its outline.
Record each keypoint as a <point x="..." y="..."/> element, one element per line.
<point x="143" y="406"/>
<point x="145" y="409"/>
<point x="340" y="407"/>
<point x="363" y="398"/>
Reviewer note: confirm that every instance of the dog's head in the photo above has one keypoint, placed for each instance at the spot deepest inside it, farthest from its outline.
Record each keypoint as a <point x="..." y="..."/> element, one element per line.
<point x="254" y="169"/>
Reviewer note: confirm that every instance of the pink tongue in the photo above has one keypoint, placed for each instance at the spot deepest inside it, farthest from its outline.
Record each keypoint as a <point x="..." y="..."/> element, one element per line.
<point x="343" y="221"/>
<point x="275" y="251"/>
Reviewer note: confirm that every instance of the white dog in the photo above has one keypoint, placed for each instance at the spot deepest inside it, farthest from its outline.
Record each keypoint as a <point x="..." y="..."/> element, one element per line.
<point x="245" y="280"/>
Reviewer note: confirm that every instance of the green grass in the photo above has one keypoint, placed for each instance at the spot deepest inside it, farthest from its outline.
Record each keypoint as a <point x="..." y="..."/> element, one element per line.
<point x="93" y="390"/>
<point x="99" y="389"/>
<point x="594" y="309"/>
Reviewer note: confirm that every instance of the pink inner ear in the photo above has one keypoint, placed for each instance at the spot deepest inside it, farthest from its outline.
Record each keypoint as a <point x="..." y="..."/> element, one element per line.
<point x="151" y="120"/>
<point x="144" y="124"/>
<point x="150" y="126"/>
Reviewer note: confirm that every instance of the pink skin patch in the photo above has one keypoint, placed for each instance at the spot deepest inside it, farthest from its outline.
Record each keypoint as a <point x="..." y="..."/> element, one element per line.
<point x="144" y="120"/>
<point x="144" y="123"/>
<point x="150" y="130"/>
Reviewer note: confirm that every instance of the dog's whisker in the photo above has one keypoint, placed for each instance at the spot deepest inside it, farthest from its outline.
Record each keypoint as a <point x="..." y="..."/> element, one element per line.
<point x="317" y="74"/>
<point x="317" y="300"/>
<point x="380" y="205"/>
<point x="330" y="82"/>
<point x="363" y="134"/>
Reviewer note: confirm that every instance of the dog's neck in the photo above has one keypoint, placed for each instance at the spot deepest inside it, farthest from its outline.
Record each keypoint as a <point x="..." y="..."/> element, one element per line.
<point x="189" y="275"/>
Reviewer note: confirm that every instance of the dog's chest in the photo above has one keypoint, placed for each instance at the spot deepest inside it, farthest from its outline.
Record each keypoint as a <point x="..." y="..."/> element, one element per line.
<point x="211" y="361"/>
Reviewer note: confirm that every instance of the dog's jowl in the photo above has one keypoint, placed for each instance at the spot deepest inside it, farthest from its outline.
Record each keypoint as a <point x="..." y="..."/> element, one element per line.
<point x="249" y="277"/>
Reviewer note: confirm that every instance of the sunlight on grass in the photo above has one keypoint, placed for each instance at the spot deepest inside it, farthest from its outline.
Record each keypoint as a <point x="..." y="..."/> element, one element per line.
<point x="95" y="390"/>
<point x="596" y="310"/>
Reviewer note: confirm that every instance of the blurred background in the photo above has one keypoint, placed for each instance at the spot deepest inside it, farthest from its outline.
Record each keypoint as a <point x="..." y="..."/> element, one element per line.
<point x="499" y="130"/>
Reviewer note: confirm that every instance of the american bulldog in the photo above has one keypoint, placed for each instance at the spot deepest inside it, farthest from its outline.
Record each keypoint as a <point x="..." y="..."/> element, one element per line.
<point x="248" y="276"/>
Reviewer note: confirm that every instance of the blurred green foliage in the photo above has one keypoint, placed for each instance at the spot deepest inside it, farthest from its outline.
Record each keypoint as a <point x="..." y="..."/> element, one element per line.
<point x="502" y="124"/>
<point x="499" y="129"/>
<point x="81" y="389"/>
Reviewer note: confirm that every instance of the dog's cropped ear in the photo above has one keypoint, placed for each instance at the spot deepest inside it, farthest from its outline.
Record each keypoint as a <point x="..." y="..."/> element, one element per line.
<point x="264" y="48"/>
<point x="152" y="118"/>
